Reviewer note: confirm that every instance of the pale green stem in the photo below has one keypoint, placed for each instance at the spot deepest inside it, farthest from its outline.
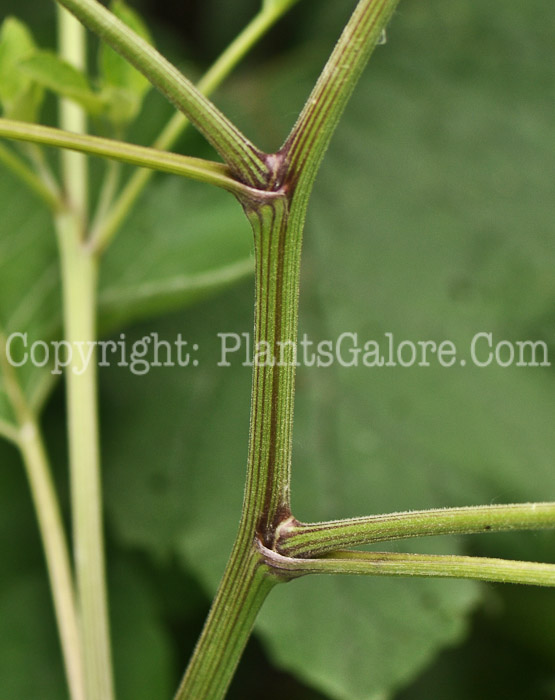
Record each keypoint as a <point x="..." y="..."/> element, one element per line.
<point x="35" y="183"/>
<point x="243" y="158"/>
<point x="223" y="66"/>
<point x="28" y="439"/>
<point x="422" y="565"/>
<point x="79" y="282"/>
<point x="57" y="559"/>
<point x="194" y="168"/>
<point x="72" y="48"/>
<point x="313" y="539"/>
<point x="43" y="170"/>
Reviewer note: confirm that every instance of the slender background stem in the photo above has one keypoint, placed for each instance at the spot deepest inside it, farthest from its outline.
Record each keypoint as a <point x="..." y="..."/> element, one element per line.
<point x="79" y="280"/>
<point x="27" y="437"/>
<point x="20" y="168"/>
<point x="57" y="559"/>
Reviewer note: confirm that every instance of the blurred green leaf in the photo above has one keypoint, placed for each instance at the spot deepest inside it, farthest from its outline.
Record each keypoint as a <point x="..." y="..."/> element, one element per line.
<point x="183" y="242"/>
<point x="53" y="73"/>
<point x="30" y="663"/>
<point x="30" y="660"/>
<point x="123" y="86"/>
<point x="142" y="646"/>
<point x="20" y="96"/>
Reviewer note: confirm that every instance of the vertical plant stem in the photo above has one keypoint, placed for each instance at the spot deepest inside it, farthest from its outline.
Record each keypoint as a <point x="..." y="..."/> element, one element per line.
<point x="79" y="278"/>
<point x="72" y="48"/>
<point x="247" y="580"/>
<point x="28" y="439"/>
<point x="79" y="281"/>
<point x="277" y="218"/>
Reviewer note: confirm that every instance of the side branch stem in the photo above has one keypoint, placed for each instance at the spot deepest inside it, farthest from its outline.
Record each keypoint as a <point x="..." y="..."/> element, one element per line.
<point x="244" y="159"/>
<point x="27" y="437"/>
<point x="421" y="565"/>
<point x="195" y="168"/>
<point x="314" y="539"/>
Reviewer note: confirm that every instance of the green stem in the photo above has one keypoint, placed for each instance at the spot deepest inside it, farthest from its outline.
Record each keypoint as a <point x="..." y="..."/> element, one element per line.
<point x="28" y="439"/>
<point x="35" y="183"/>
<point x="243" y="590"/>
<point x="79" y="271"/>
<point x="222" y="67"/>
<point x="278" y="225"/>
<point x="422" y="565"/>
<point x="57" y="558"/>
<point x="72" y="48"/>
<point x="195" y="168"/>
<point x="309" y="138"/>
<point x="313" y="539"/>
<point x="107" y="195"/>
<point x="79" y="280"/>
<point x="243" y="158"/>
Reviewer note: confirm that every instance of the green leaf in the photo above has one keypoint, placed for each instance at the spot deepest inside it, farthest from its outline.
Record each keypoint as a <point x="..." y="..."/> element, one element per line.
<point x="124" y="88"/>
<point x="142" y="646"/>
<point x="150" y="268"/>
<point x="142" y="652"/>
<point x="28" y="637"/>
<point x="28" y="640"/>
<point x="51" y="72"/>
<point x="20" y="96"/>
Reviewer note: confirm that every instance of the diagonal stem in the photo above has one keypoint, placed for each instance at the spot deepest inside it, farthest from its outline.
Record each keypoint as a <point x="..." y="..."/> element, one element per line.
<point x="266" y="18"/>
<point x="27" y="175"/>
<point x="243" y="158"/>
<point x="28" y="438"/>
<point x="313" y="539"/>
<point x="79" y="271"/>
<point x="142" y="156"/>
<point x="310" y="137"/>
